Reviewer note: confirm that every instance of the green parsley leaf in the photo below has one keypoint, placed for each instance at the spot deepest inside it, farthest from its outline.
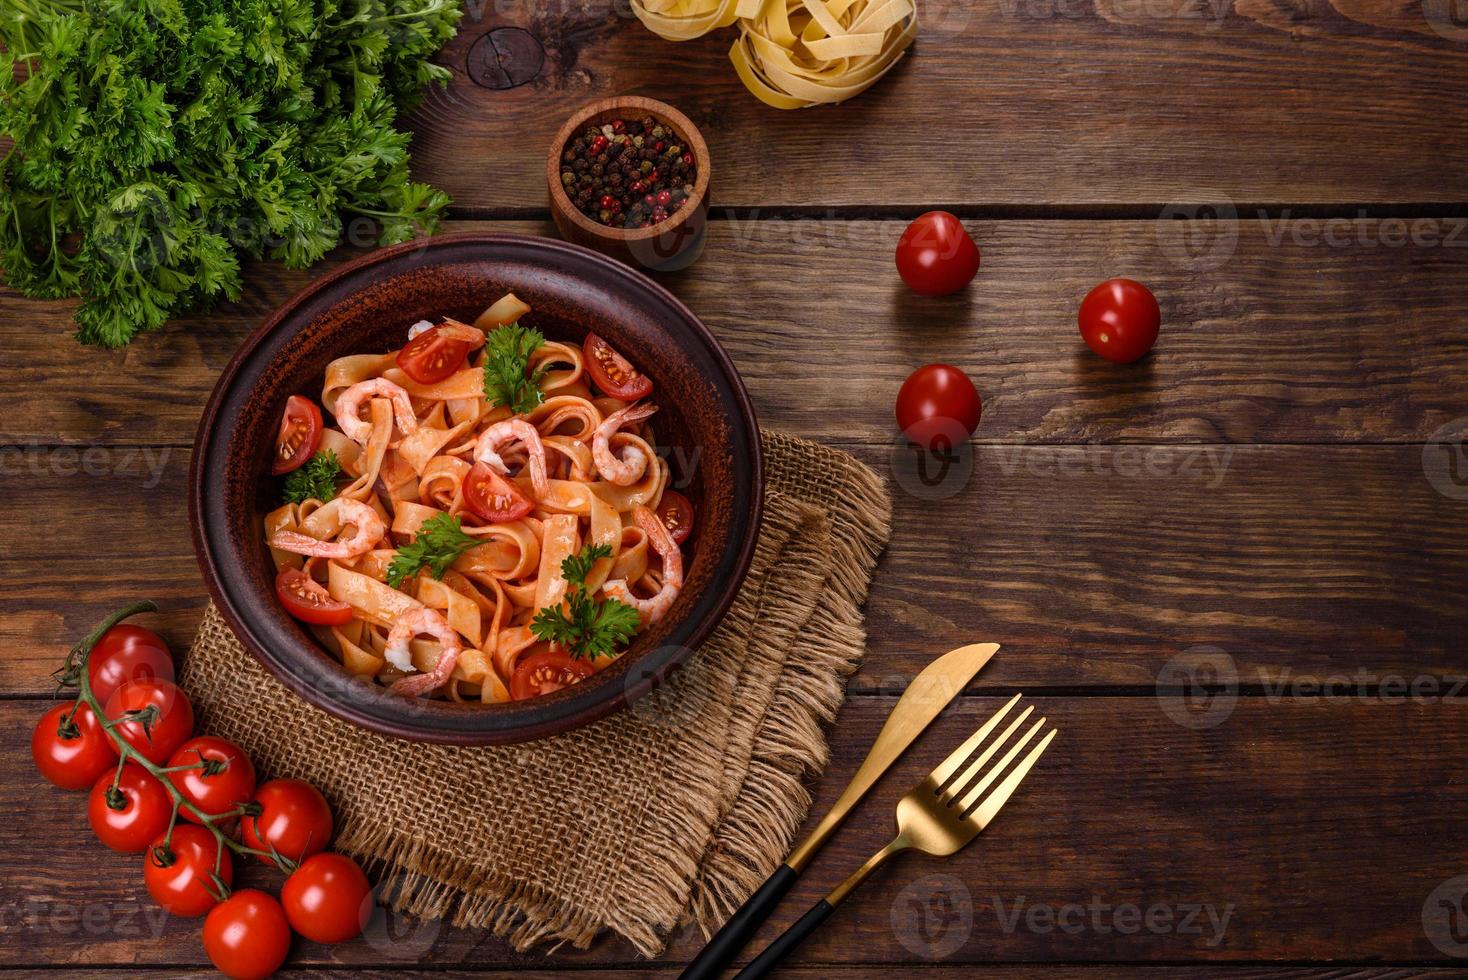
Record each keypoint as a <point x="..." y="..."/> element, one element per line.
<point x="314" y="481"/>
<point x="585" y="627"/>
<point x="508" y="379"/>
<point x="439" y="543"/>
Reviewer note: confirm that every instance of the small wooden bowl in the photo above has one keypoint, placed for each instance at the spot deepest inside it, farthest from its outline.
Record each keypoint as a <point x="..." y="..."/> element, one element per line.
<point x="665" y="247"/>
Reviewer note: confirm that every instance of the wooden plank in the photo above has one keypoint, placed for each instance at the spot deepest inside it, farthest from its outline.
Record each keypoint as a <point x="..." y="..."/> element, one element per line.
<point x="1015" y="103"/>
<point x="1298" y="821"/>
<point x="1094" y="566"/>
<point x="1272" y="339"/>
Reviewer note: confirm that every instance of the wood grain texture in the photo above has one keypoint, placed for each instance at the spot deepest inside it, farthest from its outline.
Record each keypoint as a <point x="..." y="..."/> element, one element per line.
<point x="1261" y="342"/>
<point x="1010" y="102"/>
<point x="1298" y="821"/>
<point x="1094" y="566"/>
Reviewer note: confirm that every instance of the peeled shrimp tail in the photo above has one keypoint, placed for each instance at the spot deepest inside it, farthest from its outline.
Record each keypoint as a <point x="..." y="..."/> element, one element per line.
<point x="419" y="684"/>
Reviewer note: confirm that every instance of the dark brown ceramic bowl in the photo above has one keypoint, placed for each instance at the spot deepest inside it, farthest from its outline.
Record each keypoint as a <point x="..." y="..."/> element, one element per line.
<point x="706" y="423"/>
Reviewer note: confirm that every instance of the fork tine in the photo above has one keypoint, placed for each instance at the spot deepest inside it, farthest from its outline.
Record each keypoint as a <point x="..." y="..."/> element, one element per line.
<point x="976" y="766"/>
<point x="971" y="794"/>
<point x="958" y="756"/>
<point x="1000" y="796"/>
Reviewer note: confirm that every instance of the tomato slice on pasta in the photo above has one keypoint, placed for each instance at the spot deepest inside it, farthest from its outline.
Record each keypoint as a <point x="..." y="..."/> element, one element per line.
<point x="613" y="374"/>
<point x="547" y="671"/>
<point x="300" y="434"/>
<point x="676" y="513"/>
<point x="307" y="600"/>
<point x="492" y="497"/>
<point x="433" y="356"/>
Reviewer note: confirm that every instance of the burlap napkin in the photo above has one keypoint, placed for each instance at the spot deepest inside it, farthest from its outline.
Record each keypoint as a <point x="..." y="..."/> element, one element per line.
<point x="673" y="810"/>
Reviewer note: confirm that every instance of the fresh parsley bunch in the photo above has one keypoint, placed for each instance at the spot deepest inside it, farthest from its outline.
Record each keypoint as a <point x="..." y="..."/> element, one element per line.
<point x="157" y="141"/>
<point x="508" y="379"/>
<point x="314" y="481"/>
<point x="438" y="544"/>
<point x="585" y="627"/>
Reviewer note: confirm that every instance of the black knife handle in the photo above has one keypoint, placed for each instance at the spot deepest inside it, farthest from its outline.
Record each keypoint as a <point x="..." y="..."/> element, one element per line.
<point x="785" y="945"/>
<point x="741" y="925"/>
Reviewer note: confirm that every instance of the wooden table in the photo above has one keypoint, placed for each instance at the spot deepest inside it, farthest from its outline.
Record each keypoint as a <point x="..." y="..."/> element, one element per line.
<point x="1265" y="506"/>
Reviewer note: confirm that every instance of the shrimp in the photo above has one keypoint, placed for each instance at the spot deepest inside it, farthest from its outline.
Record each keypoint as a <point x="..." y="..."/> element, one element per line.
<point x="662" y="542"/>
<point x="627" y="469"/>
<point x="349" y="408"/>
<point x="369" y="530"/>
<point x="409" y="625"/>
<point x="497" y="435"/>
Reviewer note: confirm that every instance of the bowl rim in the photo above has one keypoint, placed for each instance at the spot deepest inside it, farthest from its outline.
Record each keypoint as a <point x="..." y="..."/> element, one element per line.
<point x="654" y="665"/>
<point x="562" y="202"/>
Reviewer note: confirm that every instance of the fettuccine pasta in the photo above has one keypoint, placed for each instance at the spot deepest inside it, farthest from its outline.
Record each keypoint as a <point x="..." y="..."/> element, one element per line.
<point x="493" y="519"/>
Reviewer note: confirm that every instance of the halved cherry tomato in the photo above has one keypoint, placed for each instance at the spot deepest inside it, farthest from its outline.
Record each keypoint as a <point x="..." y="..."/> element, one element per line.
<point x="613" y="374"/>
<point x="294" y="820"/>
<point x="432" y="356"/>
<point x="676" y="513"/>
<point x="493" y="497"/>
<point x="307" y="599"/>
<point x="170" y="722"/>
<point x="1119" y="320"/>
<point x="327" y="899"/>
<point x="547" y="671"/>
<point x="180" y="874"/>
<point x="247" y="936"/>
<point x="135" y="815"/>
<point x="300" y="434"/>
<point x="224" y="782"/>
<point x="71" y="753"/>
<point x="127" y="653"/>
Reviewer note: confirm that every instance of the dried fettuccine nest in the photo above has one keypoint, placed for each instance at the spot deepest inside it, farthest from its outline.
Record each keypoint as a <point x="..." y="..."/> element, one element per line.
<point x="796" y="53"/>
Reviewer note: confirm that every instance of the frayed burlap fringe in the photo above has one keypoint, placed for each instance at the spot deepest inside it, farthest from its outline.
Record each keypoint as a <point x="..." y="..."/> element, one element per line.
<point x="672" y="810"/>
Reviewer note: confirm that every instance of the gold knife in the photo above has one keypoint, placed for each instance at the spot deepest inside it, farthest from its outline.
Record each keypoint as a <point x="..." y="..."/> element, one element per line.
<point x="925" y="698"/>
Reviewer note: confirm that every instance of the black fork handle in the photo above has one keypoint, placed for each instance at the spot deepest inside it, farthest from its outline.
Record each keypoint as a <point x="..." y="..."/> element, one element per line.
<point x="782" y="947"/>
<point x="735" y="934"/>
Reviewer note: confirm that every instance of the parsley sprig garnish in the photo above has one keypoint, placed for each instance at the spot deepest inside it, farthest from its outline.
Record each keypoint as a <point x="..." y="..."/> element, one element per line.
<point x="438" y="544"/>
<point x="314" y="481"/>
<point x="585" y="627"/>
<point x="508" y="379"/>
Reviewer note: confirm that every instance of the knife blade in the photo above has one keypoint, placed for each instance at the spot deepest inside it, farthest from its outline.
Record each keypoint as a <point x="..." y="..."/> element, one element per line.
<point x="925" y="698"/>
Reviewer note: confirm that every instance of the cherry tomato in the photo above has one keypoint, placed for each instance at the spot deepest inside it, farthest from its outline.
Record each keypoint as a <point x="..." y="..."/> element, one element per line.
<point x="547" y="671"/>
<point x="613" y="374"/>
<point x="493" y="497"/>
<point x="180" y="875"/>
<point x="676" y="513"/>
<point x="127" y="653"/>
<point x="432" y="356"/>
<point x="937" y="405"/>
<point x="135" y="815"/>
<point x="327" y="899"/>
<point x="172" y="718"/>
<point x="247" y="936"/>
<point x="71" y="753"/>
<point x="1119" y="320"/>
<point x="224" y="783"/>
<point x="307" y="599"/>
<point x="935" y="255"/>
<point x="294" y="820"/>
<point x="300" y="434"/>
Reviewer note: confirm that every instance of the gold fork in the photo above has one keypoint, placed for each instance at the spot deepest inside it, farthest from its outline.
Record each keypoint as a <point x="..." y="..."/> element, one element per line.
<point x="938" y="816"/>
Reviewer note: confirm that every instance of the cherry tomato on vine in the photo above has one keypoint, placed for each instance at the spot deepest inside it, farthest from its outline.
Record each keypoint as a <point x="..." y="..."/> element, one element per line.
<point x="432" y="356"/>
<point x="1119" y="320"/>
<point x="547" y="671"/>
<point x="127" y="653"/>
<point x="936" y="256"/>
<point x="133" y="816"/>
<point x="247" y="936"/>
<point x="327" y="899"/>
<point x="493" y="497"/>
<point x="71" y="752"/>
<point x="180" y="874"/>
<point x="307" y="599"/>
<point x="172" y="717"/>
<point x="938" y="405"/>
<point x="224" y="782"/>
<point x="676" y="513"/>
<point x="294" y="819"/>
<point x="300" y="434"/>
<point x="612" y="373"/>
